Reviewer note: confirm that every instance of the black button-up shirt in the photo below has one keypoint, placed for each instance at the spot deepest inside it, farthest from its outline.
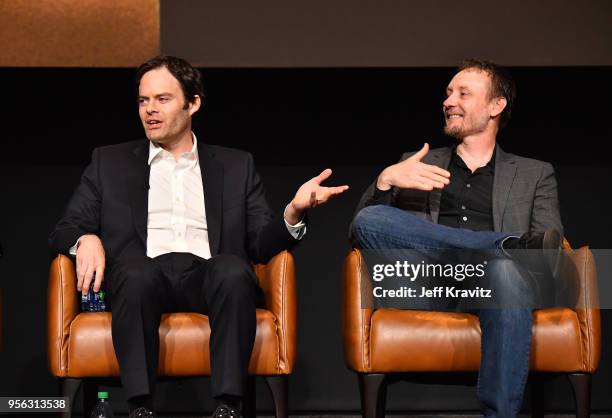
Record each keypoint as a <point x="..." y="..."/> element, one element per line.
<point x="467" y="202"/>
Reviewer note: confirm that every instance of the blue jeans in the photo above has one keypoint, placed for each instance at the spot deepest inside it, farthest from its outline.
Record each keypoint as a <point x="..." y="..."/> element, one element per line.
<point x="505" y="333"/>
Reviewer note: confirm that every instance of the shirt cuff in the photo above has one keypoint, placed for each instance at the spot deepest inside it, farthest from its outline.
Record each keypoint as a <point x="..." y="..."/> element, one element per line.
<point x="380" y="194"/>
<point x="298" y="230"/>
<point x="73" y="249"/>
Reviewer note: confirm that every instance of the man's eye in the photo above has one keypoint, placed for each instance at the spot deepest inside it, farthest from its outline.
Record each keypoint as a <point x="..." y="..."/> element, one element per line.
<point x="141" y="101"/>
<point x="163" y="99"/>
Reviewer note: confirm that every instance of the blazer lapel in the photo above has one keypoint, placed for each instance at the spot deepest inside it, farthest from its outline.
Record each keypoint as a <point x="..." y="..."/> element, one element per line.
<point x="441" y="158"/>
<point x="212" y="179"/>
<point x="505" y="172"/>
<point x="138" y="185"/>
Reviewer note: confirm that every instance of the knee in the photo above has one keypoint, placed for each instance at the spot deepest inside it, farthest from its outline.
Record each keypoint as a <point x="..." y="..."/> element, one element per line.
<point x="232" y="273"/>
<point x="133" y="275"/>
<point x="367" y="221"/>
<point x="368" y="217"/>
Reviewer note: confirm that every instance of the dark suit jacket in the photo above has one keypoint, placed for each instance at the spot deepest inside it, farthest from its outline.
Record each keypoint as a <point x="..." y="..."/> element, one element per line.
<point x="524" y="194"/>
<point x="111" y="201"/>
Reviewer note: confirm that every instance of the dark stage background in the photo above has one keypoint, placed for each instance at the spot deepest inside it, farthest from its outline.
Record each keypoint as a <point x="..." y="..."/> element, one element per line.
<point x="296" y="122"/>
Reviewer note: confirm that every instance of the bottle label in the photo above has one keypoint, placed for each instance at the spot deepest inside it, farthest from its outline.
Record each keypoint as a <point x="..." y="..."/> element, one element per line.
<point x="93" y="301"/>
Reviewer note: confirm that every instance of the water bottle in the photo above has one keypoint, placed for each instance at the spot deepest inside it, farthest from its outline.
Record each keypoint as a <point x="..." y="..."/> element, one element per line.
<point x="103" y="408"/>
<point x="93" y="301"/>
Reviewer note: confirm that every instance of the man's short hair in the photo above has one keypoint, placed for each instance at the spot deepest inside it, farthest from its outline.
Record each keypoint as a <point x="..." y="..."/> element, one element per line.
<point x="188" y="77"/>
<point x="502" y="84"/>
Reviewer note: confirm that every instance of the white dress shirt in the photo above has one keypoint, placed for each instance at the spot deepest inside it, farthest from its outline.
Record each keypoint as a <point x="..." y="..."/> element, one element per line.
<point x="177" y="217"/>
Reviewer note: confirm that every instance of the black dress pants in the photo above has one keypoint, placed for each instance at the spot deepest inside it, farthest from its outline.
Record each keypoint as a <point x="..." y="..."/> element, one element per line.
<point x="223" y="287"/>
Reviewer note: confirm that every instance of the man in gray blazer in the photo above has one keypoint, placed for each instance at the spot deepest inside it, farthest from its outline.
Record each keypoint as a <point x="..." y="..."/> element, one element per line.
<point x="475" y="196"/>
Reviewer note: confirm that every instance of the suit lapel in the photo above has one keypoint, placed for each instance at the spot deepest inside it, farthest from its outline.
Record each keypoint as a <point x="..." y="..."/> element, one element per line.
<point x="441" y="158"/>
<point x="505" y="172"/>
<point x="139" y="189"/>
<point x="212" y="179"/>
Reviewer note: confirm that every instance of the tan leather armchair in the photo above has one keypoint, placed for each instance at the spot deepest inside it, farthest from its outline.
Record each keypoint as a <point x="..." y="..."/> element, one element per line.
<point x="80" y="347"/>
<point x="384" y="345"/>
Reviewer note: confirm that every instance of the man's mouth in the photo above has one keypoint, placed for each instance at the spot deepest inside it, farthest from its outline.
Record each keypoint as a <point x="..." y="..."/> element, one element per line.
<point x="153" y="123"/>
<point x="453" y="116"/>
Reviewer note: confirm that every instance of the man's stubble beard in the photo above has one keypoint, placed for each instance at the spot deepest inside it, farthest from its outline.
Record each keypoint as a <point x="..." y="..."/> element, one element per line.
<point x="459" y="132"/>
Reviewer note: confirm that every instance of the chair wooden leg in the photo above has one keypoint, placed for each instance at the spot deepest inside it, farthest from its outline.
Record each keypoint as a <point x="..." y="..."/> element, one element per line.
<point x="90" y="396"/>
<point x="69" y="388"/>
<point x="581" y="383"/>
<point x="382" y="401"/>
<point x="372" y="388"/>
<point x="278" y="388"/>
<point x="537" y="395"/>
<point x="249" y="402"/>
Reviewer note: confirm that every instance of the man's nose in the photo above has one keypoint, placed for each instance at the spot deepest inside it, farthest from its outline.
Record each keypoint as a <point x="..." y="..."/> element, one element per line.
<point x="151" y="108"/>
<point x="449" y="102"/>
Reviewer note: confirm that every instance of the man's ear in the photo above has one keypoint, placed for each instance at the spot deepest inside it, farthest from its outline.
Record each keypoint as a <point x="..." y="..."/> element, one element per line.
<point x="194" y="106"/>
<point x="499" y="104"/>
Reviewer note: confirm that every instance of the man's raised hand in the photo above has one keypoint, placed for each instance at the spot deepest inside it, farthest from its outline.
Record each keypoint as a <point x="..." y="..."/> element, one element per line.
<point x="413" y="174"/>
<point x="311" y="194"/>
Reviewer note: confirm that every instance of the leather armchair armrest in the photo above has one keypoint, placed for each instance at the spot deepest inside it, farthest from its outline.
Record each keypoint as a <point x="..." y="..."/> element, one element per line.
<point x="579" y="277"/>
<point x="356" y="312"/>
<point x="62" y="308"/>
<point x="277" y="279"/>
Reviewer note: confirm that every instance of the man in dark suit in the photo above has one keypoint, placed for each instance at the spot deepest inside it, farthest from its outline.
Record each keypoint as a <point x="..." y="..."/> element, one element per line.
<point x="475" y="196"/>
<point x="172" y="224"/>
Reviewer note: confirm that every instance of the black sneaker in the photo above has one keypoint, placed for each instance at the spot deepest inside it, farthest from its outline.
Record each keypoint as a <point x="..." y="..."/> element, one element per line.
<point x="142" y="412"/>
<point x="547" y="259"/>
<point x="226" y="411"/>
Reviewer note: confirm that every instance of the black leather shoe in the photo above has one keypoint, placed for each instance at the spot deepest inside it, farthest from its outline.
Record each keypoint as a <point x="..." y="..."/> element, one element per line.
<point x="538" y="251"/>
<point x="142" y="412"/>
<point x="226" y="411"/>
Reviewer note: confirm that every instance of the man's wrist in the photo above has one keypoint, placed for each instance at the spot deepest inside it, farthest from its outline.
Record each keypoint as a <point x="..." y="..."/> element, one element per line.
<point x="292" y="215"/>
<point x="73" y="250"/>
<point x="78" y="243"/>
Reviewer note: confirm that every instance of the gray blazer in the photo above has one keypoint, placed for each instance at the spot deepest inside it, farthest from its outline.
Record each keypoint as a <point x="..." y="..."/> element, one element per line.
<point x="524" y="194"/>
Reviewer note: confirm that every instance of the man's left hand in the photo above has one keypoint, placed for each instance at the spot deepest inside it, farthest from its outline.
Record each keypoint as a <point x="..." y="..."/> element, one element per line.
<point x="311" y="194"/>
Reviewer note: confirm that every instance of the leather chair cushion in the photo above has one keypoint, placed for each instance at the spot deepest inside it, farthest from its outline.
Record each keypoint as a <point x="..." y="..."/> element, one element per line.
<point x="413" y="341"/>
<point x="184" y="346"/>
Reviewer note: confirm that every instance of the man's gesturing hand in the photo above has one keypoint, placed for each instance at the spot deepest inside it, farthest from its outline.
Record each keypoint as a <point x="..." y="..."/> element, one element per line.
<point x="310" y="195"/>
<point x="413" y="174"/>
<point x="90" y="259"/>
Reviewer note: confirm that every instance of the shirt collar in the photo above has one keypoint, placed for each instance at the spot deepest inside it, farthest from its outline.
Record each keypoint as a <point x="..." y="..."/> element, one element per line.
<point x="457" y="160"/>
<point x="155" y="150"/>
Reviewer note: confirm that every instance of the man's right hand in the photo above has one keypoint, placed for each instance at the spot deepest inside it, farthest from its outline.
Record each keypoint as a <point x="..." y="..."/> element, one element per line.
<point x="90" y="259"/>
<point x="413" y="174"/>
